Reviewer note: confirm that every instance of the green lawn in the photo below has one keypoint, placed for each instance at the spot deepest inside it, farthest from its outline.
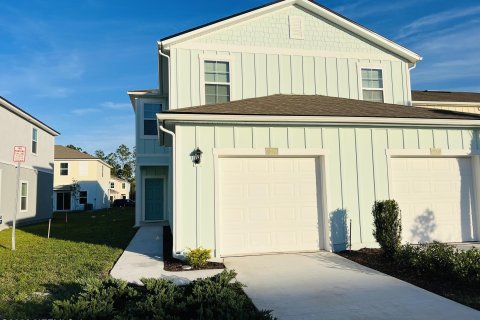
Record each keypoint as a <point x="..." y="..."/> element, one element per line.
<point x="42" y="269"/>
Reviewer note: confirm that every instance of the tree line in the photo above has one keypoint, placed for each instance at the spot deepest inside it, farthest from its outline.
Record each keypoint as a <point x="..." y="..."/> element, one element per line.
<point x="122" y="161"/>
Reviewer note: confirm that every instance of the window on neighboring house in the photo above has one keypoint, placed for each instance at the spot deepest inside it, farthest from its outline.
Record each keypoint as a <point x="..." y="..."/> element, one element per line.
<point x="24" y="196"/>
<point x="217" y="82"/>
<point x="64" y="169"/>
<point x="372" y="85"/>
<point x="34" y="140"/>
<point x="112" y="185"/>
<point x="83" y="197"/>
<point x="150" y="111"/>
<point x="123" y="185"/>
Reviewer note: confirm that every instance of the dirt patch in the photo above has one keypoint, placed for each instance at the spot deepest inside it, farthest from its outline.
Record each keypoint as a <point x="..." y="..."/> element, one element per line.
<point x="464" y="293"/>
<point x="172" y="264"/>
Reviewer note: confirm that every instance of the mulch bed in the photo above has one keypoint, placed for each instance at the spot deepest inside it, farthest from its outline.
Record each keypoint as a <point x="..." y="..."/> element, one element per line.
<point x="463" y="293"/>
<point x="172" y="264"/>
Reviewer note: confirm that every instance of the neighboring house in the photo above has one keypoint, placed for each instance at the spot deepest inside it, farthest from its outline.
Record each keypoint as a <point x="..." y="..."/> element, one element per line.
<point x="119" y="189"/>
<point x="303" y="121"/>
<point x="446" y="100"/>
<point x="18" y="128"/>
<point x="80" y="180"/>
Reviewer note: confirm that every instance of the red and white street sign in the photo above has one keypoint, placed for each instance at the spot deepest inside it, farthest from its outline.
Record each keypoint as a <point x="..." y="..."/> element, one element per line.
<point x="19" y="153"/>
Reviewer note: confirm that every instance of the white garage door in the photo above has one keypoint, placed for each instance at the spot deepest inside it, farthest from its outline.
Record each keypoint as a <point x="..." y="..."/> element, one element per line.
<point x="268" y="205"/>
<point x="436" y="198"/>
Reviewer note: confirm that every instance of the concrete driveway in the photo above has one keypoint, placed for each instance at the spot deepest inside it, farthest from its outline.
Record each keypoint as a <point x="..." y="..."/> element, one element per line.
<point x="324" y="285"/>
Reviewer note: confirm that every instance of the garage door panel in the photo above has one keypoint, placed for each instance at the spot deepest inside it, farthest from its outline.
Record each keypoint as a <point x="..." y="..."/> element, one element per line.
<point x="434" y="195"/>
<point x="279" y="214"/>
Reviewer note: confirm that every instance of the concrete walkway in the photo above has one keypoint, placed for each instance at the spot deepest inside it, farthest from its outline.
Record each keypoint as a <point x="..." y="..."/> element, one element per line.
<point x="326" y="286"/>
<point x="143" y="258"/>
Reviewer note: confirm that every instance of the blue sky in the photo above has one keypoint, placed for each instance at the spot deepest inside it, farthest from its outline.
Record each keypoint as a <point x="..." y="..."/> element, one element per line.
<point x="70" y="63"/>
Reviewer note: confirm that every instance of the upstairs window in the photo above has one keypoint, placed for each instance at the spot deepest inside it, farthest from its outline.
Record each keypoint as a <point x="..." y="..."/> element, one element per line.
<point x="372" y="85"/>
<point x="64" y="169"/>
<point x="34" y="140"/>
<point x="217" y="82"/>
<point x="123" y="185"/>
<point x="150" y="111"/>
<point x="112" y="185"/>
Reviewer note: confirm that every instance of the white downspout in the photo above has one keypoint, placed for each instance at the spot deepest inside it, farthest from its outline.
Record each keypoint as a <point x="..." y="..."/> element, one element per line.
<point x="169" y="72"/>
<point x="174" y="158"/>
<point x="174" y="193"/>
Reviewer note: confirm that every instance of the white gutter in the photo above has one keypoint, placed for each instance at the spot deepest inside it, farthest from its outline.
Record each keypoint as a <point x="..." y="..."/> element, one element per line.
<point x="159" y="43"/>
<point x="174" y="193"/>
<point x="316" y="120"/>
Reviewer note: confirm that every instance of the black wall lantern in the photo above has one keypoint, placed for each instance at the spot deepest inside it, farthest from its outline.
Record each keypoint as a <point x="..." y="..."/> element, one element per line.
<point x="196" y="155"/>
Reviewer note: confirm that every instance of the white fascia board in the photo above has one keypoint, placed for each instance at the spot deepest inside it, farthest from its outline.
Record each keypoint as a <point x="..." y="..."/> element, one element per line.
<point x="409" y="55"/>
<point x="315" y="120"/>
<point x="361" y="31"/>
<point x="221" y="24"/>
<point x="25" y="116"/>
<point x="446" y="103"/>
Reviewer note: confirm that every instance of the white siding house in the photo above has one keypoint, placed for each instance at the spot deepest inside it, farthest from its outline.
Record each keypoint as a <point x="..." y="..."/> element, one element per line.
<point x="273" y="128"/>
<point x="18" y="128"/>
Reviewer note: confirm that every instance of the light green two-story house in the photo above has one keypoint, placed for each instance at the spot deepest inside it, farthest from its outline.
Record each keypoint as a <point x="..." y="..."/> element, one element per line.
<point x="276" y="129"/>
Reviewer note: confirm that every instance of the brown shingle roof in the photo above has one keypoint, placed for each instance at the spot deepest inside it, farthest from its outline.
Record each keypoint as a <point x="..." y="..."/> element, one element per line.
<point x="445" y="96"/>
<point x="316" y="105"/>
<point x="62" y="152"/>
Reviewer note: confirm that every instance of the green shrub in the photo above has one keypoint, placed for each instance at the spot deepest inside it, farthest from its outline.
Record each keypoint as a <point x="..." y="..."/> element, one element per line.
<point x="162" y="300"/>
<point x="198" y="257"/>
<point x="388" y="227"/>
<point x="441" y="260"/>
<point x="219" y="297"/>
<point x="98" y="300"/>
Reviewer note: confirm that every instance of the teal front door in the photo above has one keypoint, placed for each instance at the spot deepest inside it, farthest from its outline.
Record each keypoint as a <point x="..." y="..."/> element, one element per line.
<point x="154" y="199"/>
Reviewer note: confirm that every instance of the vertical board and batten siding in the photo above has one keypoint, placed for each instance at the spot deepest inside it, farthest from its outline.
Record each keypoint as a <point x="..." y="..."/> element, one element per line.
<point x="258" y="75"/>
<point x="356" y="163"/>
<point x="265" y="60"/>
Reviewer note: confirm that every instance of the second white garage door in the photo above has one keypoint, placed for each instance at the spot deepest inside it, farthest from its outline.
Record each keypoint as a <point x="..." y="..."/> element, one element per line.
<point x="268" y="205"/>
<point x="436" y="198"/>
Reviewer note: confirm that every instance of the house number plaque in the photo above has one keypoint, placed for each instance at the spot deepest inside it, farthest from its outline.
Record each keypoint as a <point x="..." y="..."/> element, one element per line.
<point x="271" y="151"/>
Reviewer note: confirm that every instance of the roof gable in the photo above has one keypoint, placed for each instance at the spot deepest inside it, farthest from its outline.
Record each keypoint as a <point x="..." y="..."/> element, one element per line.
<point x="311" y="6"/>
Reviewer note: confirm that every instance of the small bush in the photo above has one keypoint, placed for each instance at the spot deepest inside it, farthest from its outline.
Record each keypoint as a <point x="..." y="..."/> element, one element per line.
<point x="98" y="300"/>
<point x="441" y="260"/>
<point x="388" y="227"/>
<point x="218" y="297"/>
<point x="198" y="257"/>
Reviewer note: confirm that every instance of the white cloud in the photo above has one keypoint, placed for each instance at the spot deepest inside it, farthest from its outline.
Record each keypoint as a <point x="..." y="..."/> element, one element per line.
<point x="431" y="21"/>
<point x="84" y="111"/>
<point x="116" y="105"/>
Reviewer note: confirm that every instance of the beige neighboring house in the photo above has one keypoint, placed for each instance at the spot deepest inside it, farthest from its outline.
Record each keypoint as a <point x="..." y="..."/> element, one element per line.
<point x="446" y="100"/>
<point x="34" y="201"/>
<point x="119" y="189"/>
<point x="90" y="174"/>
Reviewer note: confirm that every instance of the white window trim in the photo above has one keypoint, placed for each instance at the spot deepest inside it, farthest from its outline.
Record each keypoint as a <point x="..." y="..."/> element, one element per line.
<point x="221" y="58"/>
<point x="68" y="169"/>
<point x="142" y="119"/>
<point x="124" y="185"/>
<point x="20" y="197"/>
<point x="80" y="197"/>
<point x="31" y="143"/>
<point x="112" y="185"/>
<point x="360" y="80"/>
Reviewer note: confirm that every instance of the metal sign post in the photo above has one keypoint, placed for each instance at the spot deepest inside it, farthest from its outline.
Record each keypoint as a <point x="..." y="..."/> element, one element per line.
<point x="19" y="153"/>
